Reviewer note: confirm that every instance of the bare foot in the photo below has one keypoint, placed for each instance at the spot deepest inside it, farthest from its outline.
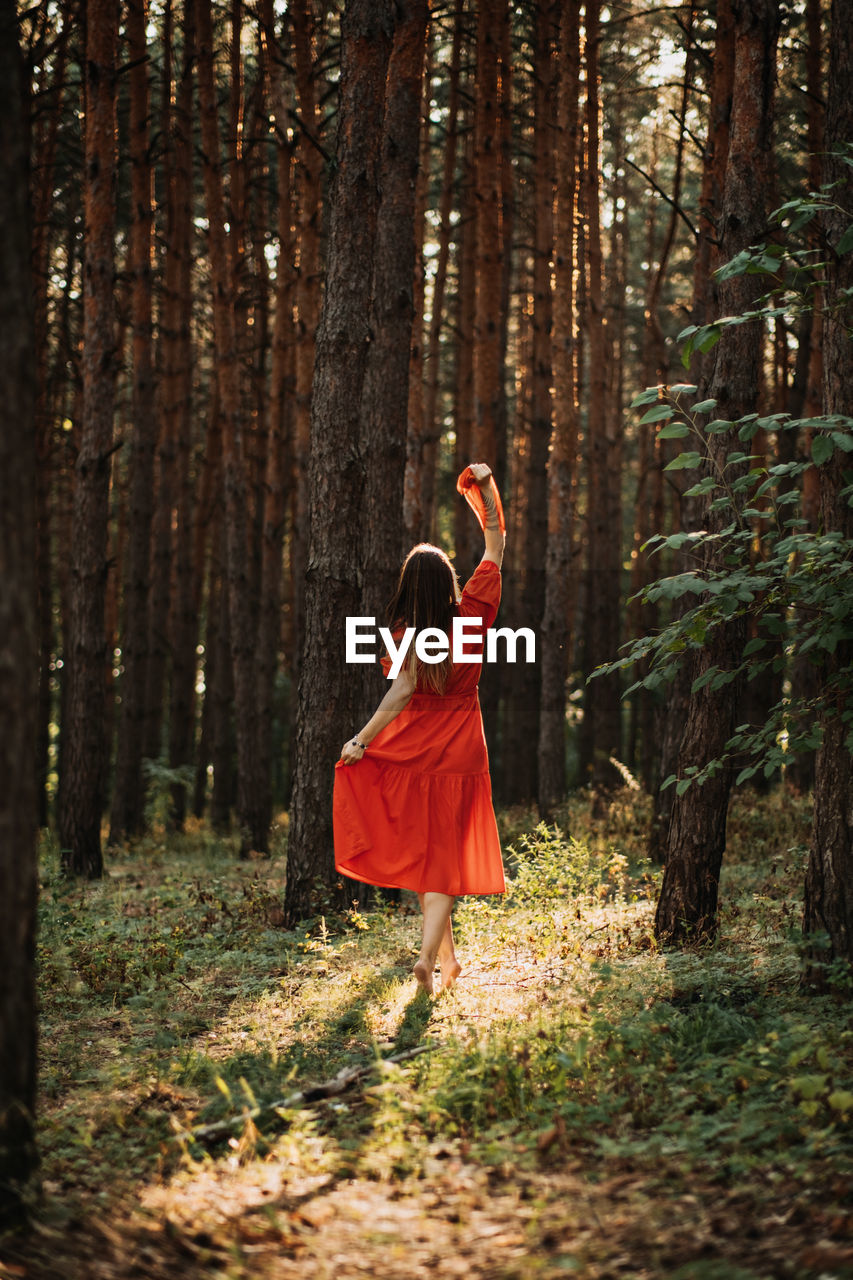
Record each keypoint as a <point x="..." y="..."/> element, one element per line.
<point x="450" y="971"/>
<point x="424" y="976"/>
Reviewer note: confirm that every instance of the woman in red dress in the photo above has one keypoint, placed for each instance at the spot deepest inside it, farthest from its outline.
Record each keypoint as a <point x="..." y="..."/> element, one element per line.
<point x="415" y="810"/>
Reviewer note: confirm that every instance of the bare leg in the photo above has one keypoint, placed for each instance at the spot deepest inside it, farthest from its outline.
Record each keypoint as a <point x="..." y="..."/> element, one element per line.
<point x="437" y="941"/>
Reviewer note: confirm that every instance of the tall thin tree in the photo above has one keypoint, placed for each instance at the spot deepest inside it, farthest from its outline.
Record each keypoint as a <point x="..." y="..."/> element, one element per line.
<point x="128" y="799"/>
<point x="18" y="879"/>
<point x="327" y="697"/>
<point x="602" y="708"/>
<point x="828" y="907"/>
<point x="696" y="837"/>
<point x="84" y="745"/>
<point x="559" y="574"/>
<point x="251" y="813"/>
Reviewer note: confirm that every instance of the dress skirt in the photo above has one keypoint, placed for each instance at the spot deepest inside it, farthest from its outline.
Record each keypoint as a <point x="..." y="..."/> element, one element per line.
<point x="416" y="811"/>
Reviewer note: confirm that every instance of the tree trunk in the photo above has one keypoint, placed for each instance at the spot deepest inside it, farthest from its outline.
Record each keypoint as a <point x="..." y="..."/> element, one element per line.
<point x="18" y="639"/>
<point x="644" y="744"/>
<point x="168" y="396"/>
<point x="187" y="578"/>
<point x="47" y="404"/>
<point x="602" y="729"/>
<point x="84" y="748"/>
<point x="463" y="371"/>
<point x="491" y="19"/>
<point x="535" y="517"/>
<point x="805" y="399"/>
<point x="254" y="832"/>
<point x="673" y="716"/>
<point x="559" y="570"/>
<point x="308" y="182"/>
<point x="128" y="801"/>
<point x="687" y="907"/>
<point x="419" y="495"/>
<point x="280" y="406"/>
<point x="385" y="394"/>
<point x="417" y="444"/>
<point x="828" y="905"/>
<point x="327" y="694"/>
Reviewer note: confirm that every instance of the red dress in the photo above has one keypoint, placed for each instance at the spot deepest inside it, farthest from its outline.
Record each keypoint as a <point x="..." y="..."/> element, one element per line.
<point x="416" y="811"/>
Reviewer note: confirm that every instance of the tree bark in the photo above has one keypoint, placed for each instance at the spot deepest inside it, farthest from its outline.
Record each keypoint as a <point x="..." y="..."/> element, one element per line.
<point x="18" y="640"/>
<point x="559" y="571"/>
<point x="327" y="694"/>
<point x="48" y="393"/>
<point x="187" y="575"/>
<point x="419" y="494"/>
<point x="128" y="800"/>
<point x="308" y="185"/>
<point x="673" y="716"/>
<point x="417" y="445"/>
<point x="463" y="369"/>
<point x="277" y="489"/>
<point x="687" y="907"/>
<point x="491" y="19"/>
<point x="805" y="398"/>
<point x="602" y="726"/>
<point x="535" y="517"/>
<point x="385" y="394"/>
<point x="254" y="831"/>
<point x="828" y="904"/>
<point x="84" y="748"/>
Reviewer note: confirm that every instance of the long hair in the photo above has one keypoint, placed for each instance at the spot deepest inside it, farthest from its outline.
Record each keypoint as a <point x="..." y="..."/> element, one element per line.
<point x="427" y="595"/>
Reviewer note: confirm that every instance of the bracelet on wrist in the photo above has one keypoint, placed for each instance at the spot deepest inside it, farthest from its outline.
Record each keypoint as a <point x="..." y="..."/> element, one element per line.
<point x="356" y="743"/>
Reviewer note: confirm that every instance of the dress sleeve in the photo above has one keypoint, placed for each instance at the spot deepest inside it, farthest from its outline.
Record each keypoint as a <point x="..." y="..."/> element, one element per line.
<point x="473" y="495"/>
<point x="482" y="593"/>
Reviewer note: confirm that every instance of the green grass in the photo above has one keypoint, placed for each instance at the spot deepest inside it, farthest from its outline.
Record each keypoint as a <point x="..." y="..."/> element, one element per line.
<point x="172" y="998"/>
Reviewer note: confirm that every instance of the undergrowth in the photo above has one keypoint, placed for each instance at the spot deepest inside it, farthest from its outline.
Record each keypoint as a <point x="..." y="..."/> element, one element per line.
<point x="172" y="999"/>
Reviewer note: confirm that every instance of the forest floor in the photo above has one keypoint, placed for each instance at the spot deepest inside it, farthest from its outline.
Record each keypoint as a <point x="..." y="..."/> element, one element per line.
<point x="581" y="1104"/>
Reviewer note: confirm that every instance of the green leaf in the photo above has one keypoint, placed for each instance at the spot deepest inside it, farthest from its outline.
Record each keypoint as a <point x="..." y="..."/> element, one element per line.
<point x="822" y="449"/>
<point x="704" y="406"/>
<point x="698" y="340"/>
<point x="651" y="395"/>
<point x="658" y="414"/>
<point x="718" y="426"/>
<point x="683" y="388"/>
<point x="674" y="431"/>
<point x="741" y="264"/>
<point x="708" y="485"/>
<point x="684" y="462"/>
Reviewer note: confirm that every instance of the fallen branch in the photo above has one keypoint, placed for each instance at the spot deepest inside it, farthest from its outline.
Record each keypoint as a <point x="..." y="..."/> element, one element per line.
<point x="345" y="1078"/>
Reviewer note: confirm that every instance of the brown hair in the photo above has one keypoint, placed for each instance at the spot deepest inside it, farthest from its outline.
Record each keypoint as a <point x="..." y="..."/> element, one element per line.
<point x="427" y="595"/>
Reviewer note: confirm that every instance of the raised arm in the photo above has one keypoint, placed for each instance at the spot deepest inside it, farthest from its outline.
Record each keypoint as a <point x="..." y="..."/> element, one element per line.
<point x="398" y="696"/>
<point x="494" y="538"/>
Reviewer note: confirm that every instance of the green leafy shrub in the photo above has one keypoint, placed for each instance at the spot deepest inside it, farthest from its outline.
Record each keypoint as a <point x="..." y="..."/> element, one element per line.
<point x="546" y="865"/>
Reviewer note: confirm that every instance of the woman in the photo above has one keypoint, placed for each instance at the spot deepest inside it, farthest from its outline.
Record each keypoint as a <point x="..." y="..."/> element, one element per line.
<point x="412" y="804"/>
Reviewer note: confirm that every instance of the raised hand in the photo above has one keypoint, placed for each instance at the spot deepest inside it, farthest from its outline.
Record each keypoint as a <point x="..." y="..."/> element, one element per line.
<point x="481" y="471"/>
